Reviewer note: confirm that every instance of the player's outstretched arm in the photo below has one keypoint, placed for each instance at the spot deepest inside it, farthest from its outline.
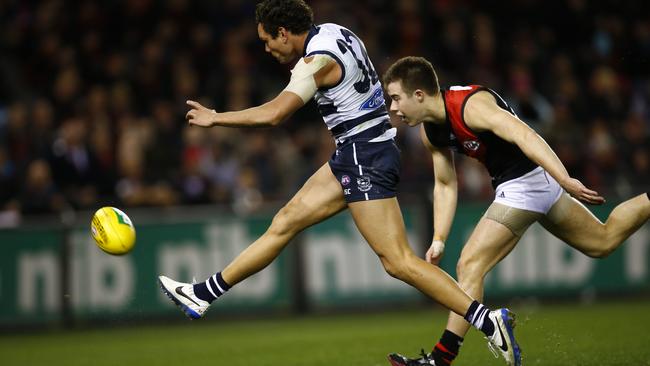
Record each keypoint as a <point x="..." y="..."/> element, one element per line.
<point x="307" y="76"/>
<point x="482" y="113"/>
<point x="268" y="114"/>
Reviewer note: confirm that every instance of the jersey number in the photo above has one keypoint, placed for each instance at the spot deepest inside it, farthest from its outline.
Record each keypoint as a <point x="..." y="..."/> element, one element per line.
<point x="369" y="74"/>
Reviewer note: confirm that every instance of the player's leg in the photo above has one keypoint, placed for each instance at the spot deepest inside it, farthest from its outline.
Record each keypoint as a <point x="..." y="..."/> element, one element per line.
<point x="374" y="167"/>
<point x="573" y="223"/>
<point x="494" y="237"/>
<point x="369" y="172"/>
<point x="381" y="224"/>
<point x="488" y="244"/>
<point x="319" y="198"/>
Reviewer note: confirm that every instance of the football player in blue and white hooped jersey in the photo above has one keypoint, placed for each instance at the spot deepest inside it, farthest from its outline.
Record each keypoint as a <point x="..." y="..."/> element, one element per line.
<point x="333" y="67"/>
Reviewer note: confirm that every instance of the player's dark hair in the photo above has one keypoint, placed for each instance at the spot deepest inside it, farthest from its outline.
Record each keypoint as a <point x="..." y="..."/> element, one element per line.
<point x="294" y="15"/>
<point x="414" y="73"/>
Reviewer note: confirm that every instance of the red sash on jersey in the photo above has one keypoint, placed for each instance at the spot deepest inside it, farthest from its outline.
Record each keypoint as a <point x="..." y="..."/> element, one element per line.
<point x="455" y="99"/>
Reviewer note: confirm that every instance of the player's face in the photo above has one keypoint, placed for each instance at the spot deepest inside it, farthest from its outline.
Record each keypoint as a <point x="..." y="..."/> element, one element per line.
<point x="404" y="106"/>
<point x="278" y="47"/>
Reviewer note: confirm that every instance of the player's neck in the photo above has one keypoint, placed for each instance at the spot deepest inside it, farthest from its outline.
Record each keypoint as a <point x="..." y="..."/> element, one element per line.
<point x="299" y="42"/>
<point x="436" y="112"/>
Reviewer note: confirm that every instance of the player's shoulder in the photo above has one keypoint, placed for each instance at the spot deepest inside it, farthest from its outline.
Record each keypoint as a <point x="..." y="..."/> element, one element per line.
<point x="330" y="29"/>
<point x="464" y="89"/>
<point x="479" y="105"/>
<point x="462" y="95"/>
<point x="480" y="96"/>
<point x="325" y="37"/>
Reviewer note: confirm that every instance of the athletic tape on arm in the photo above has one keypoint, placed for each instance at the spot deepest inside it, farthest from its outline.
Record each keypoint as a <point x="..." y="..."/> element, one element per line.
<point x="302" y="81"/>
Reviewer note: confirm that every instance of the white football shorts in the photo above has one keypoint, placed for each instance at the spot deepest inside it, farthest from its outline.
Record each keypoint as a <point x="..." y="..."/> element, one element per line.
<point x="534" y="191"/>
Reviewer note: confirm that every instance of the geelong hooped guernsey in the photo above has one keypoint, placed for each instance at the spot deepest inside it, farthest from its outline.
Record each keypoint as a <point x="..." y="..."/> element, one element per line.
<point x="356" y="103"/>
<point x="503" y="160"/>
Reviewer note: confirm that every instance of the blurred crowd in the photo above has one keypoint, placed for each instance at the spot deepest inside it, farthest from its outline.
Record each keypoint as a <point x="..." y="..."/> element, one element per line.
<point x="93" y="94"/>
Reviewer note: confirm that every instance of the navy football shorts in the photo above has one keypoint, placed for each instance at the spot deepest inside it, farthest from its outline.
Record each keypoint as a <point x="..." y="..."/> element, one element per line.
<point x="367" y="170"/>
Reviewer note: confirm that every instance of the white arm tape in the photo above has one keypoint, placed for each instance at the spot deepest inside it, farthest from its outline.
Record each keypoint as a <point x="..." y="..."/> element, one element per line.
<point x="437" y="246"/>
<point x="302" y="81"/>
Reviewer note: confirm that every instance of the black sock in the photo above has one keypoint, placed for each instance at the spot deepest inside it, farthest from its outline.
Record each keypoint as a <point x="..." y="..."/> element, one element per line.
<point x="477" y="315"/>
<point x="212" y="288"/>
<point x="447" y="348"/>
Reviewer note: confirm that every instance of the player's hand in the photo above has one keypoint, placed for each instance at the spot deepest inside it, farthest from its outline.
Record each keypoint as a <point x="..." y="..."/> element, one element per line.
<point x="434" y="254"/>
<point x="582" y="193"/>
<point x="199" y="115"/>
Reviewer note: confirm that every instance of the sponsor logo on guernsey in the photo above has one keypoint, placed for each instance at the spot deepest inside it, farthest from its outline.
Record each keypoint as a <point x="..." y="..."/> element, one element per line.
<point x="471" y="145"/>
<point x="347" y="191"/>
<point x="345" y="180"/>
<point x="364" y="184"/>
<point x="375" y="100"/>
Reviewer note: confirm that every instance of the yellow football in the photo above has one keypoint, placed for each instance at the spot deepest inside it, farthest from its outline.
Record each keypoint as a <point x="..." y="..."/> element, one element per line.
<point x="113" y="231"/>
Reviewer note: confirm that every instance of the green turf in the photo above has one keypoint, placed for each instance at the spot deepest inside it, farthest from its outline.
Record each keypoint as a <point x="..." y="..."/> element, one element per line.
<point x="570" y="334"/>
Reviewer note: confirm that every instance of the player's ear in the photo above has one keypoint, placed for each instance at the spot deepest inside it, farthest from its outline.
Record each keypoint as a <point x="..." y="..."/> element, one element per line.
<point x="282" y="34"/>
<point x="419" y="95"/>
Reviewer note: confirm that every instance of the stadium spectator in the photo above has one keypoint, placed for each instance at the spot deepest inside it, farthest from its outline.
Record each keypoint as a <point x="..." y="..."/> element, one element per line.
<point x="110" y="63"/>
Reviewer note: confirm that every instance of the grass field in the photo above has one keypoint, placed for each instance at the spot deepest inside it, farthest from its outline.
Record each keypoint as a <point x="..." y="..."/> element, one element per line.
<point x="610" y="333"/>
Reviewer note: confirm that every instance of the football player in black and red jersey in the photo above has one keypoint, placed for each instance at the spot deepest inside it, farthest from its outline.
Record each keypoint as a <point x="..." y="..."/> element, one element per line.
<point x="531" y="184"/>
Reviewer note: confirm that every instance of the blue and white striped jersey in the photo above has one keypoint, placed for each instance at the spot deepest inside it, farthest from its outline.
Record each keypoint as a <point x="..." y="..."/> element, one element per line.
<point x="357" y="102"/>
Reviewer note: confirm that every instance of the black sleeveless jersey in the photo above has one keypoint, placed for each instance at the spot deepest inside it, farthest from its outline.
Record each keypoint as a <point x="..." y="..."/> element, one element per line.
<point x="503" y="160"/>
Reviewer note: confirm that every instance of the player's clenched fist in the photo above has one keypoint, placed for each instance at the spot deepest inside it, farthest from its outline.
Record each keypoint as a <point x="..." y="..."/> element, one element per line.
<point x="434" y="254"/>
<point x="199" y="115"/>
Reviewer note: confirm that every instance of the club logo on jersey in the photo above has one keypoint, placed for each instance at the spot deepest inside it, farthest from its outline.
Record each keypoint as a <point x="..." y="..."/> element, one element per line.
<point x="345" y="180"/>
<point x="374" y="101"/>
<point x="472" y="145"/>
<point x="364" y="184"/>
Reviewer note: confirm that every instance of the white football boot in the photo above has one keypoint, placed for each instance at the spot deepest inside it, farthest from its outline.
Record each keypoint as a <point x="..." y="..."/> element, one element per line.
<point x="503" y="339"/>
<point x="182" y="294"/>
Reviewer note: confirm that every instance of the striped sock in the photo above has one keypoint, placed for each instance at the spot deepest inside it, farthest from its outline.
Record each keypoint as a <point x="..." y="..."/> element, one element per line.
<point x="212" y="288"/>
<point x="447" y="348"/>
<point x="477" y="316"/>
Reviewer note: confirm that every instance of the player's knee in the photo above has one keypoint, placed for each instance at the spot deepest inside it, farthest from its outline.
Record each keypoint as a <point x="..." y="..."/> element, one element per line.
<point x="389" y="264"/>
<point x="601" y="252"/>
<point x="468" y="269"/>
<point x="601" y="246"/>
<point x="286" y="221"/>
<point x="398" y="265"/>
<point x="390" y="268"/>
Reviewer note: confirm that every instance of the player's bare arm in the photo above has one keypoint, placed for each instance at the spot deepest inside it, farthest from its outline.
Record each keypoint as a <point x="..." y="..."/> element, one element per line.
<point x="483" y="114"/>
<point x="445" y="195"/>
<point x="268" y="114"/>
<point x="274" y="112"/>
